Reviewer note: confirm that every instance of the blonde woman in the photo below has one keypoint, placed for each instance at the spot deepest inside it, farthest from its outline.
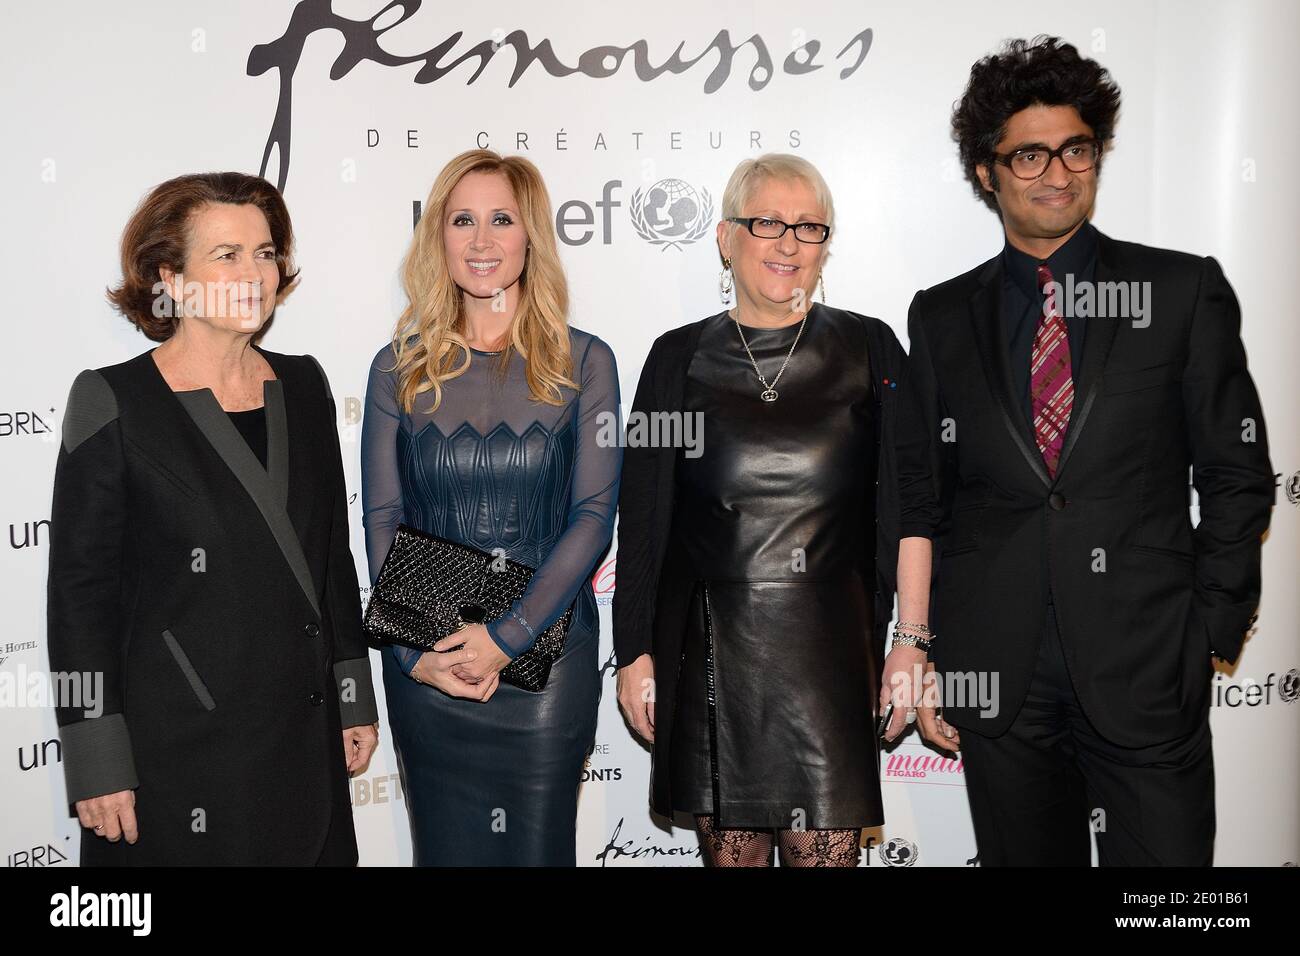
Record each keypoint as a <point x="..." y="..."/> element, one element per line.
<point x="481" y="427"/>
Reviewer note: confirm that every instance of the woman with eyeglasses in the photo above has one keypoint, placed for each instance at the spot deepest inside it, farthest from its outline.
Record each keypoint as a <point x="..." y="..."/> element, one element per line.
<point x="755" y="570"/>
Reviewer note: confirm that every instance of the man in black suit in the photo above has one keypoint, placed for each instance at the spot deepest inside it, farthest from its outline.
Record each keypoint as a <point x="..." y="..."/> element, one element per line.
<point x="1056" y="397"/>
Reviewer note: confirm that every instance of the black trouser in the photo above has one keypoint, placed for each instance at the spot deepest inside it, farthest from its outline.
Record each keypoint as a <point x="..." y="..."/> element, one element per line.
<point x="1037" y="789"/>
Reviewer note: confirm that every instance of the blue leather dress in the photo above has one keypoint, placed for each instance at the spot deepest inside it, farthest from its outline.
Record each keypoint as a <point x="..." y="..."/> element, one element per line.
<point x="496" y="783"/>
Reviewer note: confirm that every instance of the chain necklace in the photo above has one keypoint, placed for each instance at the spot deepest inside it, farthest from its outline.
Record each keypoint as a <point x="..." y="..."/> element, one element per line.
<point x="769" y="393"/>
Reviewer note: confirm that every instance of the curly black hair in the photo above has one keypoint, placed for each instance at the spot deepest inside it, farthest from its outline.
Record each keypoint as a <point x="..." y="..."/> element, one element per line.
<point x="1044" y="70"/>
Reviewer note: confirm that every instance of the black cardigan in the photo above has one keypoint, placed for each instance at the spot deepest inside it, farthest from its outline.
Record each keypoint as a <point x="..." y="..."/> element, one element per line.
<point x="649" y="603"/>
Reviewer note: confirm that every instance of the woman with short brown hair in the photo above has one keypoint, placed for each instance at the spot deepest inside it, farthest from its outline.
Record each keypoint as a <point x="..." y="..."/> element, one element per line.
<point x="199" y="560"/>
<point x="158" y="238"/>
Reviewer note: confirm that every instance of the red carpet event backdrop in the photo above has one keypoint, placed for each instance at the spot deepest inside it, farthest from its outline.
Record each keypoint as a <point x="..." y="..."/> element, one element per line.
<point x="636" y="114"/>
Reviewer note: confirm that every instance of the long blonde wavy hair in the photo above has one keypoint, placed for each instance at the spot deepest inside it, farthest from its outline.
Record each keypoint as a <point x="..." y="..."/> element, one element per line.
<point x="429" y="340"/>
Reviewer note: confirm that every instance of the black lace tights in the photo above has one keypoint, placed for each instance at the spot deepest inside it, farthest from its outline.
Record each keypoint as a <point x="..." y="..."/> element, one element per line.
<point x="726" y="847"/>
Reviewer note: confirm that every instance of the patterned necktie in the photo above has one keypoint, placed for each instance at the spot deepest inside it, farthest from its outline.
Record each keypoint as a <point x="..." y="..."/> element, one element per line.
<point x="1051" y="387"/>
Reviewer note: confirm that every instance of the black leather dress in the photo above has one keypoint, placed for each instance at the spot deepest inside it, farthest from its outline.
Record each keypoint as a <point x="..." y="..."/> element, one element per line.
<point x="774" y="720"/>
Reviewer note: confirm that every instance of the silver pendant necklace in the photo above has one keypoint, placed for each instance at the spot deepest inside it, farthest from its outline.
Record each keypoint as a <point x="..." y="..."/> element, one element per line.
<point x="769" y="393"/>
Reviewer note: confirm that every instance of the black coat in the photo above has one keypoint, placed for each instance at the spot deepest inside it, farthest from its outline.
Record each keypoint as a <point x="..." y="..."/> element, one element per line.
<point x="1141" y="599"/>
<point x="219" y="601"/>
<point x="653" y="587"/>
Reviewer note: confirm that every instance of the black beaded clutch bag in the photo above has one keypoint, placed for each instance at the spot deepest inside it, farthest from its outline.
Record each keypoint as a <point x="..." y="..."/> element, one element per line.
<point x="429" y="588"/>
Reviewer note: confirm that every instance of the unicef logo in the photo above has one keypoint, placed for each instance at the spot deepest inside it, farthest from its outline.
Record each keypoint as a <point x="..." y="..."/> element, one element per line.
<point x="1293" y="489"/>
<point x="898" y="852"/>
<point x="1289" y="687"/>
<point x="671" y="213"/>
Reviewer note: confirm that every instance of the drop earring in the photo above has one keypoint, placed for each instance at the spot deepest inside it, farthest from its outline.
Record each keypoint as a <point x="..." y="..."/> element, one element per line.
<point x="821" y="284"/>
<point x="726" y="282"/>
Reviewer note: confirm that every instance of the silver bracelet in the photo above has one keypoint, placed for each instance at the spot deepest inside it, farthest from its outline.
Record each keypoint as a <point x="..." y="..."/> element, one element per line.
<point x="911" y="640"/>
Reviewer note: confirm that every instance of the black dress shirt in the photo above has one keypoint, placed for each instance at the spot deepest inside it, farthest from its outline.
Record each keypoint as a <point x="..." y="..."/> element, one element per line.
<point x="1022" y="303"/>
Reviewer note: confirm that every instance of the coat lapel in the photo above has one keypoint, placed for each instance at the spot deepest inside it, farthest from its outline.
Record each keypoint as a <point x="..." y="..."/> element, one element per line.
<point x="269" y="488"/>
<point x="984" y="312"/>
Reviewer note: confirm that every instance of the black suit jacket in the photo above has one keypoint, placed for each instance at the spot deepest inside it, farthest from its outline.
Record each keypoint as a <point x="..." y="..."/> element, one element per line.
<point x="219" y="602"/>
<point x="654" y="585"/>
<point x="1141" y="598"/>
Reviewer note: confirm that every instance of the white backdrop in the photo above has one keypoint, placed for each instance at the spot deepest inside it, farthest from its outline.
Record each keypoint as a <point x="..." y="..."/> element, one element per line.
<point x="103" y="101"/>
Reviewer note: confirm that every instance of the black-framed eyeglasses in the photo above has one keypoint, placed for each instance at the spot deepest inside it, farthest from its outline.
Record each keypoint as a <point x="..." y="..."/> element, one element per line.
<point x="764" y="228"/>
<point x="1030" y="162"/>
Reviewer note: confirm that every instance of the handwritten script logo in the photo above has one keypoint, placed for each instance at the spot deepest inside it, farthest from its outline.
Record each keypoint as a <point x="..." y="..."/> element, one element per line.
<point x="361" y="43"/>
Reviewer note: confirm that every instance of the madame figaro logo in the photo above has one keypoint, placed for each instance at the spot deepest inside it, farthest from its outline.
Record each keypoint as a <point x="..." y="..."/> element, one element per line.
<point x="103" y="909"/>
<point x="923" y="765"/>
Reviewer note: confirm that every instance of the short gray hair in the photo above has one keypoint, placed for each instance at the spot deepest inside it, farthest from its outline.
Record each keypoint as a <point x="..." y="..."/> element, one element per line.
<point x="751" y="173"/>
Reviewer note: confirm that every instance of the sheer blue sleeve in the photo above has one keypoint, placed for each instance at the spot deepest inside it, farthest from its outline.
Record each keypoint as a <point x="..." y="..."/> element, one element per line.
<point x="592" y="503"/>
<point x="381" y="485"/>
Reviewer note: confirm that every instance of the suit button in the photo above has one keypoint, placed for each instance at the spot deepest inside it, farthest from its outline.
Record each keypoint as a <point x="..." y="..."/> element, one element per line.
<point x="316" y="699"/>
<point x="311" y="630"/>
<point x="1057" y="501"/>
